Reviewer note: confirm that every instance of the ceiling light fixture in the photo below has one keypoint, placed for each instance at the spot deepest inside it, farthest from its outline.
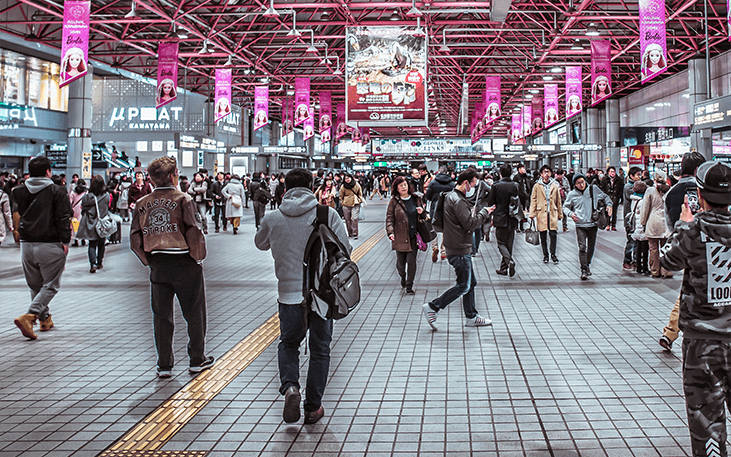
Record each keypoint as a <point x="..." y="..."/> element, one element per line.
<point x="414" y="11"/>
<point x="325" y="15"/>
<point x="247" y="70"/>
<point x="204" y="49"/>
<point x="229" y="62"/>
<point x="294" y="32"/>
<point x="577" y="46"/>
<point x="556" y="70"/>
<point x="592" y="30"/>
<point x="181" y="33"/>
<point x="395" y="16"/>
<point x="133" y="12"/>
<point x="271" y="12"/>
<point x="337" y="71"/>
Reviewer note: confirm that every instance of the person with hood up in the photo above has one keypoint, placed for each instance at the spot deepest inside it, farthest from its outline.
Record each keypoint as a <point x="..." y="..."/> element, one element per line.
<point x="286" y="231"/>
<point x="702" y="246"/>
<point x="642" y="247"/>
<point x="442" y="182"/>
<point x="652" y="218"/>
<point x="578" y="206"/>
<point x="45" y="232"/>
<point x="233" y="193"/>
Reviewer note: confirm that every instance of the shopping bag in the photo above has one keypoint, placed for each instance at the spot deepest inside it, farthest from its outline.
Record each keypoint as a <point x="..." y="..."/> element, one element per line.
<point x="531" y="234"/>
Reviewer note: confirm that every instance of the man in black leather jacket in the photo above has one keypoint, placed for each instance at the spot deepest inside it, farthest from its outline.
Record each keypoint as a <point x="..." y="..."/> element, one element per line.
<point x="504" y="224"/>
<point x="45" y="232"/>
<point x="525" y="187"/>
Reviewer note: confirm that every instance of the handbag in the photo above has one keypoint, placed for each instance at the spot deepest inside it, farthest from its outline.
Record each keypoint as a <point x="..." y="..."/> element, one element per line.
<point x="426" y="229"/>
<point x="104" y="226"/>
<point x="599" y="214"/>
<point x="236" y="201"/>
<point x="531" y="234"/>
<point x="420" y="243"/>
<point x="515" y="209"/>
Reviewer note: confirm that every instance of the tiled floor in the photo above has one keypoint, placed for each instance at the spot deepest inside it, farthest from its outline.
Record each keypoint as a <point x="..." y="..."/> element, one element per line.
<point x="569" y="367"/>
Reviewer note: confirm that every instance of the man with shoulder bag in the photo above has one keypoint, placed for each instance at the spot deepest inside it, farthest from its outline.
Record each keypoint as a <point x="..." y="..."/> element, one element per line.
<point x="505" y="224"/>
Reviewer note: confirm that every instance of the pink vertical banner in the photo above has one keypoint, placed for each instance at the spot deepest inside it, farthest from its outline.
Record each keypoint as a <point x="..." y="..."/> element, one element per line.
<point x="601" y="71"/>
<point x="550" y="104"/>
<point x="494" y="108"/>
<point x="728" y="18"/>
<point x="537" y="108"/>
<point x="301" y="100"/>
<point x="355" y="135"/>
<point x="223" y="93"/>
<point x="573" y="91"/>
<point x="341" y="129"/>
<point x="479" y="116"/>
<point x="285" y="113"/>
<point x="326" y="108"/>
<point x="167" y="73"/>
<point x="261" y="106"/>
<point x="308" y="125"/>
<point x="290" y="115"/>
<point x="365" y="135"/>
<point x="75" y="44"/>
<point x="527" y="120"/>
<point x="653" y="44"/>
<point x="516" y="127"/>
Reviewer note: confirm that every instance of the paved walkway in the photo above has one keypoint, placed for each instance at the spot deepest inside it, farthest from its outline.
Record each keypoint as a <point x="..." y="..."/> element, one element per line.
<point x="568" y="368"/>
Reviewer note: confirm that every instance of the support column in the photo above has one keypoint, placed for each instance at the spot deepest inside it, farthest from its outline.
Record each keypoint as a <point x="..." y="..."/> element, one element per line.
<point x="261" y="164"/>
<point x="612" y="143"/>
<point x="79" y="123"/>
<point x="273" y="168"/>
<point x="593" y="136"/>
<point x="245" y="130"/>
<point x="698" y="90"/>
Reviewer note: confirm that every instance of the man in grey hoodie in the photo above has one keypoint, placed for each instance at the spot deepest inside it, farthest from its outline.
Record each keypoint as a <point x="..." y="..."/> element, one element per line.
<point x="285" y="231"/>
<point x="45" y="232"/>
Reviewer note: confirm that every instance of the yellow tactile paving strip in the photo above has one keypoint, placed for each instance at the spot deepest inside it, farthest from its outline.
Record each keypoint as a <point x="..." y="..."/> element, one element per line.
<point x="156" y="429"/>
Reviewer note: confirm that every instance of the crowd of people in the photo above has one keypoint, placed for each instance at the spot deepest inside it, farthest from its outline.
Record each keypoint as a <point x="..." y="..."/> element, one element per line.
<point x="675" y="222"/>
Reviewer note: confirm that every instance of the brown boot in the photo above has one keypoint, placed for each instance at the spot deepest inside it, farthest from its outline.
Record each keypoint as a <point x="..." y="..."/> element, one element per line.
<point x="47" y="324"/>
<point x="25" y="323"/>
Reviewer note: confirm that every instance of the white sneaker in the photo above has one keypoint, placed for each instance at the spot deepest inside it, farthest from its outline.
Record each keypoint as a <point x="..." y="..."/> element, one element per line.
<point x="477" y="321"/>
<point x="431" y="315"/>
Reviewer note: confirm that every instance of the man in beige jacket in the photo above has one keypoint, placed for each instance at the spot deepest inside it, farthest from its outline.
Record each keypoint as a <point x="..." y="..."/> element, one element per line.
<point x="545" y="208"/>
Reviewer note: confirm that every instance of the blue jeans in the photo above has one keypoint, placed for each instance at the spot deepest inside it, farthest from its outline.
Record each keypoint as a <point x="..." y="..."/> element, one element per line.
<point x="464" y="288"/>
<point x="476" y="238"/>
<point x="96" y="251"/>
<point x="629" y="249"/>
<point x="293" y="328"/>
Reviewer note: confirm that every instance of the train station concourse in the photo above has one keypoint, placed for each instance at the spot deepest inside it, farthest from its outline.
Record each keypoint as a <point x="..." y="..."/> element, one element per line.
<point x="567" y="368"/>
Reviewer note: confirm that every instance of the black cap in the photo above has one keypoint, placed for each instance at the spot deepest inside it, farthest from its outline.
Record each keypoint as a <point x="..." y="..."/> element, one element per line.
<point x="714" y="181"/>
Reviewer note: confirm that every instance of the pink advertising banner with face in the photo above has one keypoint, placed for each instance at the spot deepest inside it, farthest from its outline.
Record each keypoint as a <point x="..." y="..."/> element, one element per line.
<point x="728" y="18"/>
<point x="479" y="123"/>
<point x="573" y="91"/>
<point x="550" y="104"/>
<point x="261" y="106"/>
<point x="301" y="100"/>
<point x="653" y="45"/>
<point x="527" y="120"/>
<point x="341" y="128"/>
<point x="285" y="113"/>
<point x="326" y="109"/>
<point x="494" y="107"/>
<point x="365" y="135"/>
<point x="75" y="45"/>
<point x="601" y="71"/>
<point x="537" y="108"/>
<point x="308" y="126"/>
<point x="516" y="127"/>
<point x="167" y="73"/>
<point x="223" y="93"/>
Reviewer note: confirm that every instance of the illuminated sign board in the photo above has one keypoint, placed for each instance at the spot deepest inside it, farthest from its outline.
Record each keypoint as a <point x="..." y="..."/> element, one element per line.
<point x="712" y="113"/>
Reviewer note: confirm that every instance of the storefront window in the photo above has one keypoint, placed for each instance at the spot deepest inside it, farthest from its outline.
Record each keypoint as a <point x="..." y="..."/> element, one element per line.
<point x="30" y="81"/>
<point x="11" y="79"/>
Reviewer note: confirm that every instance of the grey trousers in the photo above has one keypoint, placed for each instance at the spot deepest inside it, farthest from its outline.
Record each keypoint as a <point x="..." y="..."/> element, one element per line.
<point x="43" y="264"/>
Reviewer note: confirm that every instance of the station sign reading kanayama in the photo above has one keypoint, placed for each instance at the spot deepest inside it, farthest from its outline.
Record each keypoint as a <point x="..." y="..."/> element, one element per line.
<point x="385" y="76"/>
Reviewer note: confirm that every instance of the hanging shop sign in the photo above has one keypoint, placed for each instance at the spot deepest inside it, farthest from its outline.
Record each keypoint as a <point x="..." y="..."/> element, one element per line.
<point x="261" y="106"/>
<point x="301" y="100"/>
<point x="283" y="150"/>
<point x="638" y="155"/>
<point x="537" y="109"/>
<point x="653" y="44"/>
<point x="325" y="116"/>
<point x="516" y="127"/>
<point x="630" y="136"/>
<point x="601" y="71"/>
<point x="573" y="91"/>
<point x="550" y="104"/>
<point x="223" y="93"/>
<point x="385" y="74"/>
<point x="494" y="106"/>
<point x="342" y="128"/>
<point x="167" y="74"/>
<point x="527" y="120"/>
<point x="75" y="44"/>
<point x="287" y="121"/>
<point x="712" y="113"/>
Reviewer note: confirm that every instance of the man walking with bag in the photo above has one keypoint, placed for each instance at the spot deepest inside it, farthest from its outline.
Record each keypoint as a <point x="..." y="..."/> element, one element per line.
<point x="545" y="206"/>
<point x="286" y="231"/>
<point x="460" y="221"/>
<point x="505" y="224"/>
<point x="45" y="233"/>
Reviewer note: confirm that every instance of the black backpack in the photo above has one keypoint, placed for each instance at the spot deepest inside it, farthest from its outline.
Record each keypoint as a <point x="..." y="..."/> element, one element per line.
<point x="438" y="216"/>
<point x="331" y="284"/>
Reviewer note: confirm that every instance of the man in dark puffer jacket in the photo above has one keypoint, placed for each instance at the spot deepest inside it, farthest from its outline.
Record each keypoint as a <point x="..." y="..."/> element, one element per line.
<point x="45" y="232"/>
<point x="441" y="183"/>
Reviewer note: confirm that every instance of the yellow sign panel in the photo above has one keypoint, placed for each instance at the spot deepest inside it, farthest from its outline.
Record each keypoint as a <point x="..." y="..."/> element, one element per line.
<point x="86" y="165"/>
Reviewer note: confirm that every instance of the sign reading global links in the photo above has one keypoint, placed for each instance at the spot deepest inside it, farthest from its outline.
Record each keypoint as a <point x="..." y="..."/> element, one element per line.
<point x="712" y="113"/>
<point x="385" y="74"/>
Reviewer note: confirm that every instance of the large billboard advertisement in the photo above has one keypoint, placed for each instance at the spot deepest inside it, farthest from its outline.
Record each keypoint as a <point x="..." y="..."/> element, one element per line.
<point x="75" y="45"/>
<point x="385" y="74"/>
